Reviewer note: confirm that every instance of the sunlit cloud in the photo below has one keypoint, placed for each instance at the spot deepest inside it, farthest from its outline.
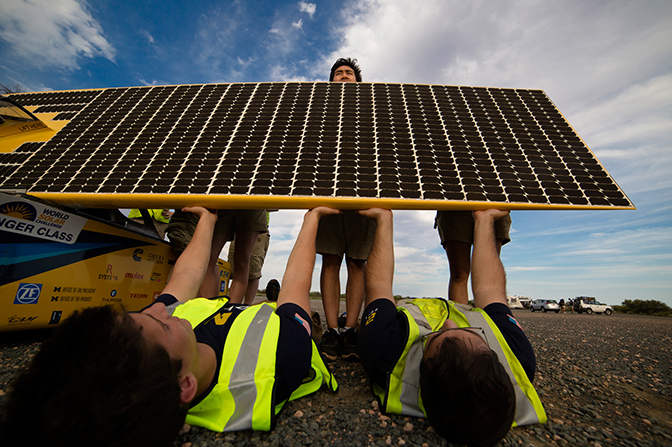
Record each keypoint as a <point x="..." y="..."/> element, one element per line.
<point x="54" y="33"/>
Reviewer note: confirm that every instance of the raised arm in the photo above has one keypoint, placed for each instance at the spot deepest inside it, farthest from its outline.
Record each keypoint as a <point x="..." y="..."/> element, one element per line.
<point x="192" y="264"/>
<point x="299" y="271"/>
<point x="380" y="264"/>
<point x="488" y="279"/>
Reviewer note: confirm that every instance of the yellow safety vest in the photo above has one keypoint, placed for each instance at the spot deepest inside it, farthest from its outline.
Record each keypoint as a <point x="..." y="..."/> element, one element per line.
<point x="156" y="214"/>
<point x="243" y="396"/>
<point x="426" y="315"/>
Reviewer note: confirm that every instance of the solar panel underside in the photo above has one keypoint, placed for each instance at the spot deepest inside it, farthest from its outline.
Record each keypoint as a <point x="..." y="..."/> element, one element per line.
<point x="413" y="146"/>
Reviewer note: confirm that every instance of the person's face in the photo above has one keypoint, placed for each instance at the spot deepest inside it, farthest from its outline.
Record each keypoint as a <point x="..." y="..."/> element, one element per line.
<point x="174" y="334"/>
<point x="469" y="336"/>
<point x="344" y="74"/>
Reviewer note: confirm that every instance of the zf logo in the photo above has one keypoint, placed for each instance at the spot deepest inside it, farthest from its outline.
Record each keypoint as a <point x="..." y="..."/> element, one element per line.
<point x="28" y="293"/>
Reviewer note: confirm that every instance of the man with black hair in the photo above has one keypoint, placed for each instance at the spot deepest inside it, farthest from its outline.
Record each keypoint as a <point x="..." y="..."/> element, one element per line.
<point x="469" y="370"/>
<point x="110" y="378"/>
<point x="347" y="234"/>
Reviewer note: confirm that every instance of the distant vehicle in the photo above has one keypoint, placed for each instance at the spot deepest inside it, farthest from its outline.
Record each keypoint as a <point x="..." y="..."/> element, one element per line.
<point x="590" y="305"/>
<point x="545" y="305"/>
<point x="518" y="302"/>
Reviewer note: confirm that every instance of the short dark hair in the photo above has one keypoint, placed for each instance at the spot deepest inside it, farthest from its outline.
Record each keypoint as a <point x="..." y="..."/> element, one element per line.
<point x="467" y="394"/>
<point x="352" y="63"/>
<point x="96" y="381"/>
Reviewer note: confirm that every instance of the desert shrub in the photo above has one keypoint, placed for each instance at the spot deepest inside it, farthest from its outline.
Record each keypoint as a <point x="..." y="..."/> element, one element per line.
<point x="644" y="307"/>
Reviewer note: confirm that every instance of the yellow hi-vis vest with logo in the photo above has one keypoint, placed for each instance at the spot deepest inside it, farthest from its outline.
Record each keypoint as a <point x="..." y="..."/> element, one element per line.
<point x="426" y="315"/>
<point x="156" y="214"/>
<point x="243" y="396"/>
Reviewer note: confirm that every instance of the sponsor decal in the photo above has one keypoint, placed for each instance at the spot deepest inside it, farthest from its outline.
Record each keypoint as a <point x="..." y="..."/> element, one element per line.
<point x="32" y="126"/>
<point x="156" y="259"/>
<point x="16" y="320"/>
<point x="108" y="276"/>
<point x="155" y="277"/>
<point x="138" y="296"/>
<point x="28" y="293"/>
<point x="135" y="275"/>
<point x="113" y="293"/>
<point x="74" y="299"/>
<point x="111" y="300"/>
<point x="56" y="317"/>
<point x="39" y="221"/>
<point x="139" y="253"/>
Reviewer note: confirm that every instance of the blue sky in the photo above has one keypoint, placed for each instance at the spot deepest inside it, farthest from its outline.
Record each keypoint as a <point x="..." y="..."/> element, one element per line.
<point x="607" y="65"/>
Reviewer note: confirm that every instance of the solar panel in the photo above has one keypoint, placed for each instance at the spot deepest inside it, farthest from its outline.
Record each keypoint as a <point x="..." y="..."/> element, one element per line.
<point x="296" y="145"/>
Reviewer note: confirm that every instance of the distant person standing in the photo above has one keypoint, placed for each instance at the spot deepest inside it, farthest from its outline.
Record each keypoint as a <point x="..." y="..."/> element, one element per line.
<point x="562" y="305"/>
<point x="351" y="235"/>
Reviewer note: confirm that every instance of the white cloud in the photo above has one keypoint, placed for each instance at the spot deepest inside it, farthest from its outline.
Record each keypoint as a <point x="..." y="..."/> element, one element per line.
<point x="298" y="24"/>
<point x="148" y="36"/>
<point x="308" y="8"/>
<point x="52" y="33"/>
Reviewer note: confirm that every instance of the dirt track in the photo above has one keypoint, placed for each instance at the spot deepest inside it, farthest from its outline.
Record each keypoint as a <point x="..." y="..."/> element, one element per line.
<point x="604" y="381"/>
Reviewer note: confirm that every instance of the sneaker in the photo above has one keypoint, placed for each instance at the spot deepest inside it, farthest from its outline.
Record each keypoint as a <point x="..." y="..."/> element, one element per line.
<point x="330" y="345"/>
<point x="272" y="290"/>
<point x="349" y="348"/>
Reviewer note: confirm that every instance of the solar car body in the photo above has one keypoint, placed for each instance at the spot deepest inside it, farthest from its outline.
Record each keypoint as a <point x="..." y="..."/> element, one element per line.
<point x="55" y="260"/>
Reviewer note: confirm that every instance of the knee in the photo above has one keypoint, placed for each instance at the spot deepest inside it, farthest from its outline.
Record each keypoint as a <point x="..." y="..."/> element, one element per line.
<point x="459" y="274"/>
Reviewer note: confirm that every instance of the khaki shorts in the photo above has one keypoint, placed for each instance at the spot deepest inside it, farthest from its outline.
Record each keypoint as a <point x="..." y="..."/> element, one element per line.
<point x="256" y="258"/>
<point x="348" y="233"/>
<point x="182" y="225"/>
<point x="459" y="226"/>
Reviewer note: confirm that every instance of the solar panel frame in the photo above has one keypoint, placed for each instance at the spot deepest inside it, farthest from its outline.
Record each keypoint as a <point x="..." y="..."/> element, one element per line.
<point x="302" y="144"/>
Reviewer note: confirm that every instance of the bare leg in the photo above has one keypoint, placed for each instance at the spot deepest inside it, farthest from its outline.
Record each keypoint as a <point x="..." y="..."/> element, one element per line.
<point x="251" y="292"/>
<point x="354" y="290"/>
<point x="459" y="262"/>
<point x="210" y="285"/>
<point x="245" y="241"/>
<point x="330" y="287"/>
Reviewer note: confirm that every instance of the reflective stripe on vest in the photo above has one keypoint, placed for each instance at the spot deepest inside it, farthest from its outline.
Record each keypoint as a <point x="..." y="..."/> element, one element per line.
<point x="403" y="394"/>
<point x="243" y="395"/>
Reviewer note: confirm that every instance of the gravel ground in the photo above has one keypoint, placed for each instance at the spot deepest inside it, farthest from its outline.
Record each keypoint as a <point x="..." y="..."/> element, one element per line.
<point x="604" y="381"/>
